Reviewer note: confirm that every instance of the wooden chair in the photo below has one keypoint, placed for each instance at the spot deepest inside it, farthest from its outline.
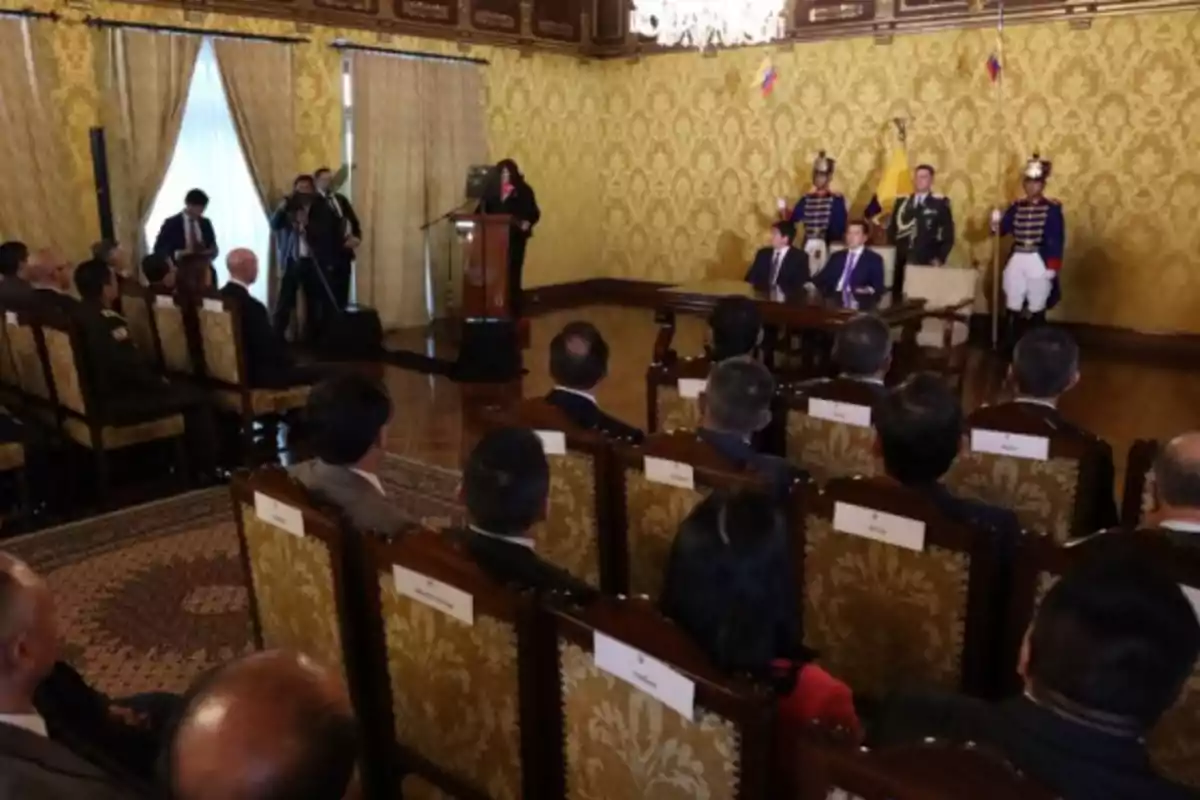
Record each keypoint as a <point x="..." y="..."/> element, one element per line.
<point x="648" y="512"/>
<point x="1053" y="494"/>
<point x="29" y="366"/>
<point x="828" y="428"/>
<point x="1175" y="743"/>
<point x="175" y="335"/>
<point x="1138" y="498"/>
<point x="941" y="343"/>
<point x="83" y="420"/>
<point x="928" y="771"/>
<point x="464" y="687"/>
<point x="621" y="741"/>
<point x="136" y="307"/>
<point x="10" y="378"/>
<point x="894" y="593"/>
<point x="672" y="393"/>
<point x="224" y="366"/>
<point x="576" y="535"/>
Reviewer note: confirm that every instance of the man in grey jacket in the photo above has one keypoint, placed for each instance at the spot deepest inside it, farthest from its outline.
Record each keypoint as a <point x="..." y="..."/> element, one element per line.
<point x="349" y="415"/>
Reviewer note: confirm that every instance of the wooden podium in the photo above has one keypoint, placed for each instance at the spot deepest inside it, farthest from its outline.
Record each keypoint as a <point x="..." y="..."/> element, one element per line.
<point x="484" y="240"/>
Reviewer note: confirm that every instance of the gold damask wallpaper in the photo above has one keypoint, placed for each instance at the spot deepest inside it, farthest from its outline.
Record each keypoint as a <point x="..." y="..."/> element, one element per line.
<point x="694" y="156"/>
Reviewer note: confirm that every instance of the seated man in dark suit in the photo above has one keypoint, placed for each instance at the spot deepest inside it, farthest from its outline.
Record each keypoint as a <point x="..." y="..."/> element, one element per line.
<point x="735" y="329"/>
<point x="862" y="352"/>
<point x="736" y="404"/>
<point x="1177" y="489"/>
<point x="505" y="486"/>
<point x="780" y="266"/>
<point x="856" y="273"/>
<point x="160" y="272"/>
<point x="189" y="231"/>
<point x="268" y="362"/>
<point x="347" y="417"/>
<point x="578" y="362"/>
<point x="59" y="738"/>
<point x="1045" y="366"/>
<point x="1107" y="654"/>
<point x="272" y="725"/>
<point x="919" y="430"/>
<point x="14" y="265"/>
<point x="50" y="276"/>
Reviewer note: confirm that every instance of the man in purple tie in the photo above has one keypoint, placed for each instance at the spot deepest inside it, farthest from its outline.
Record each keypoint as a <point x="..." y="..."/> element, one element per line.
<point x="855" y="273"/>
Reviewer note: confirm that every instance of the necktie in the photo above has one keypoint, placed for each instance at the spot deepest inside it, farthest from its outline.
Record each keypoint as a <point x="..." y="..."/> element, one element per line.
<point x="848" y="271"/>
<point x="776" y="267"/>
<point x="335" y="205"/>
<point x="190" y="237"/>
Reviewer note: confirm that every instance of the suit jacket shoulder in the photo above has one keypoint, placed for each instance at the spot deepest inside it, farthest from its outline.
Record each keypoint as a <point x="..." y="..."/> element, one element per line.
<point x="364" y="507"/>
<point x="512" y="563"/>
<point x="34" y="767"/>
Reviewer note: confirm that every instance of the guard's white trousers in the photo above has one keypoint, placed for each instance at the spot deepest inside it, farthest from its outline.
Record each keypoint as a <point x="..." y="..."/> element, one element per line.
<point x="818" y="254"/>
<point x="1026" y="279"/>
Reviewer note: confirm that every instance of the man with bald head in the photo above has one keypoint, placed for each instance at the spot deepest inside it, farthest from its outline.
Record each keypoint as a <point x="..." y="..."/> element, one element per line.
<point x="578" y="363"/>
<point x="271" y="726"/>
<point x="50" y="275"/>
<point x="40" y="759"/>
<point x="1176" y="481"/>
<point x="269" y="365"/>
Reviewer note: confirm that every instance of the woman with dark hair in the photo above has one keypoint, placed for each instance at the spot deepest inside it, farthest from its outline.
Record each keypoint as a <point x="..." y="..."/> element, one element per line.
<point x="729" y="584"/>
<point x="510" y="194"/>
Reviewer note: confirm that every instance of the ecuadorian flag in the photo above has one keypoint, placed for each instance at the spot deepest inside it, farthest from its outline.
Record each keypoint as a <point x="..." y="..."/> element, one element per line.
<point x="765" y="78"/>
<point x="895" y="182"/>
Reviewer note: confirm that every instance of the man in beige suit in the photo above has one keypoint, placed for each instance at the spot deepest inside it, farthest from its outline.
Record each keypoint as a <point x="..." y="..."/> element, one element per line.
<point x="349" y="415"/>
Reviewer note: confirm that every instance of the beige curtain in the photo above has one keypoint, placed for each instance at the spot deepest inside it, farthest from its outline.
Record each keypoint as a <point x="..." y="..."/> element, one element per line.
<point x="418" y="125"/>
<point x="144" y="79"/>
<point x="42" y="205"/>
<point x="258" y="80"/>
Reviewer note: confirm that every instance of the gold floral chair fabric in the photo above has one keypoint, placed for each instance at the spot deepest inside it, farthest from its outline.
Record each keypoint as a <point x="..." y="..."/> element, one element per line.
<point x="828" y="449"/>
<point x="172" y="336"/>
<point x="674" y="411"/>
<point x="28" y="362"/>
<point x="1175" y="742"/>
<point x="136" y="310"/>
<point x="883" y="616"/>
<point x="622" y="743"/>
<point x="1041" y="493"/>
<point x="10" y="378"/>
<point x="64" y="370"/>
<point x="293" y="584"/>
<point x="569" y="537"/>
<point x="12" y="456"/>
<point x="653" y="514"/>
<point x="455" y="691"/>
<point x="220" y="345"/>
<point x="263" y="401"/>
<point x="414" y="787"/>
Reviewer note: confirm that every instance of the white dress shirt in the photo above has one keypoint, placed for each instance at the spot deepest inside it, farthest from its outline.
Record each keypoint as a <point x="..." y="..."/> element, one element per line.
<point x="1181" y="525"/>
<point x="777" y="264"/>
<point x="235" y="281"/>
<point x="371" y="478"/>
<point x="523" y="541"/>
<point x="30" y="722"/>
<point x="1036" y="401"/>
<point x="579" y="392"/>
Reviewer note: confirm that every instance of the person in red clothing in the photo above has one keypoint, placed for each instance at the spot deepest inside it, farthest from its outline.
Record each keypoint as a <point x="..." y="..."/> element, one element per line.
<point x="729" y="585"/>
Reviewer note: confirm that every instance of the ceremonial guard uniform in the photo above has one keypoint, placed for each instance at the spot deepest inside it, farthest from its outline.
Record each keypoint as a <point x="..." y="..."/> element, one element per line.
<point x="1039" y="234"/>
<point x="821" y="211"/>
<point x="922" y="230"/>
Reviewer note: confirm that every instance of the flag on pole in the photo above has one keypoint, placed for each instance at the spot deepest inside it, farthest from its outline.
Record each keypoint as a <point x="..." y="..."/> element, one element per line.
<point x="766" y="77"/>
<point x="993" y="67"/>
<point x="896" y="182"/>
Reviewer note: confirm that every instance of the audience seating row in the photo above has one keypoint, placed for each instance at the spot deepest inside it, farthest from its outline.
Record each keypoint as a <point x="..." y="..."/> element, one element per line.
<point x="470" y="689"/>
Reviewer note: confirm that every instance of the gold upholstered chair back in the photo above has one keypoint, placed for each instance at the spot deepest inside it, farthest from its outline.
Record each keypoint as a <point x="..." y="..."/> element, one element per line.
<point x="625" y="737"/>
<point x="27" y="360"/>
<point x="673" y="394"/>
<point x="657" y="485"/>
<point x="1174" y="743"/>
<point x="66" y="366"/>
<point x="10" y="378"/>
<point x="1019" y="461"/>
<point x="218" y="336"/>
<point x="293" y="555"/>
<point x="135" y="307"/>
<point x="576" y="535"/>
<point x="467" y="686"/>
<point x="1138" y="498"/>
<point x="171" y="331"/>
<point x="828" y="428"/>
<point x="894" y="593"/>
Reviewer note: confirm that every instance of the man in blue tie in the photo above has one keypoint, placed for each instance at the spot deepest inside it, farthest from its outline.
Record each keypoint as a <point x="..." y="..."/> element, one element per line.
<point x="855" y="273"/>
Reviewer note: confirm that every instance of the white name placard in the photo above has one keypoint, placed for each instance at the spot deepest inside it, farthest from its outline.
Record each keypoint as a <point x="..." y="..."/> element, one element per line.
<point x="554" y="443"/>
<point x="443" y="597"/>
<point x="164" y="301"/>
<point x="1017" y="445"/>
<point x="10" y="317"/>
<point x="880" y="526"/>
<point x="691" y="388"/>
<point x="672" y="473"/>
<point x="279" y="514"/>
<point x="645" y="673"/>
<point x="834" y="411"/>
<point x="212" y="304"/>
<point x="1193" y="596"/>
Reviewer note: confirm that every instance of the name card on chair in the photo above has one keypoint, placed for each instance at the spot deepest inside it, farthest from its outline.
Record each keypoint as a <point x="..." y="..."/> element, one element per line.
<point x="1193" y="596"/>
<point x="671" y="473"/>
<point x="279" y="514"/>
<point x="164" y="301"/>
<point x="1017" y="445"/>
<point x="880" y="526"/>
<point x="212" y="304"/>
<point x="10" y="318"/>
<point x="443" y="597"/>
<point x="554" y="443"/>
<point x="645" y="673"/>
<point x="691" y="388"/>
<point x="835" y="411"/>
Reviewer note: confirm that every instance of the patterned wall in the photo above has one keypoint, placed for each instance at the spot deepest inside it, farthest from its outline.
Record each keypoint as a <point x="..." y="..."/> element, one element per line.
<point x="694" y="156"/>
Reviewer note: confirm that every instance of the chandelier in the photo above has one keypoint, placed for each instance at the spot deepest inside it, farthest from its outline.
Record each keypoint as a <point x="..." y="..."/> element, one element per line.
<point x="708" y="23"/>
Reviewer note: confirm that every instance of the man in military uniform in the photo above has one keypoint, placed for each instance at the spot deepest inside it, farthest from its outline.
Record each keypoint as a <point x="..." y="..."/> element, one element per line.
<point x="125" y="384"/>
<point x="921" y="227"/>
<point x="822" y="212"/>
<point x="1039" y="235"/>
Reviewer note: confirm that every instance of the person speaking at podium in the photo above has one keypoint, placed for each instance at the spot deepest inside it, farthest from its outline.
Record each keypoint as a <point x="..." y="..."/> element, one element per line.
<point x="508" y="193"/>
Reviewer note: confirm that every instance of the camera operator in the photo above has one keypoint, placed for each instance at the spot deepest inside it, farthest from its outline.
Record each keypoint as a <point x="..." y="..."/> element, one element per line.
<point x="296" y="238"/>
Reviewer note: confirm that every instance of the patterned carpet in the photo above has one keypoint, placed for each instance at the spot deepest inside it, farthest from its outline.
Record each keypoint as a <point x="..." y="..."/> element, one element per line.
<point x="151" y="596"/>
